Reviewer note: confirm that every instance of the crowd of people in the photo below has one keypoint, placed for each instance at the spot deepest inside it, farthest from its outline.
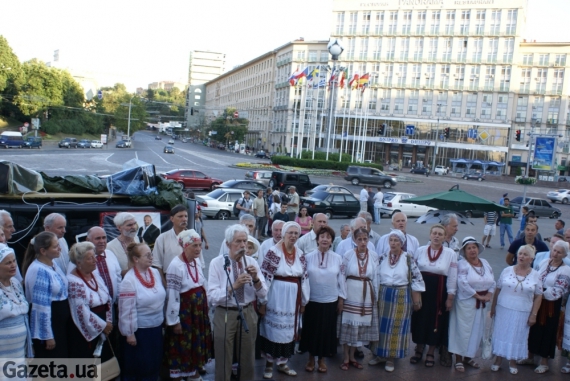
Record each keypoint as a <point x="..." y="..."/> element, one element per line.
<point x="306" y="288"/>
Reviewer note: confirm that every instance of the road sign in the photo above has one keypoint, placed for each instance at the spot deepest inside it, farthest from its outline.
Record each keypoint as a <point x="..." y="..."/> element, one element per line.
<point x="236" y="114"/>
<point x="100" y="94"/>
<point x="35" y="123"/>
<point x="103" y="138"/>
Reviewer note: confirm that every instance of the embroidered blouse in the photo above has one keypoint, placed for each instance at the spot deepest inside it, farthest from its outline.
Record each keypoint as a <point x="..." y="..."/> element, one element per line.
<point x="400" y="274"/>
<point x="140" y="307"/>
<point x="517" y="292"/>
<point x="82" y="299"/>
<point x="178" y="281"/>
<point x="44" y="285"/>
<point x="324" y="276"/>
<point x="446" y="265"/>
<point x="13" y="303"/>
<point x="471" y="280"/>
<point x="555" y="283"/>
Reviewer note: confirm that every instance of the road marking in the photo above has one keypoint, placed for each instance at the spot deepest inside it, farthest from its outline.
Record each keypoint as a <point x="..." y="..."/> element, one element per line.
<point x="161" y="158"/>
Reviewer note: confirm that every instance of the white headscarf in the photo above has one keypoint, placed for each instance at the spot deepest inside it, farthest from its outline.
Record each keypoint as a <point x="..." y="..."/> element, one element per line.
<point x="188" y="237"/>
<point x="399" y="234"/>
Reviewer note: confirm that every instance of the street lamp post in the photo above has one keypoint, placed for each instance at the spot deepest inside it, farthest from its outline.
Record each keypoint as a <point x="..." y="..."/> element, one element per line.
<point x="435" y="144"/>
<point x="530" y="147"/>
<point x="335" y="50"/>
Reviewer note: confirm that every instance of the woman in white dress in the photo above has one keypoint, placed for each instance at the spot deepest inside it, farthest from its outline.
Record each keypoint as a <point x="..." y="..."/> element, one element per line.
<point x="430" y="324"/>
<point x="515" y="306"/>
<point x="555" y="277"/>
<point x="89" y="302"/>
<point x="319" y="320"/>
<point x="141" y="314"/>
<point x="285" y="271"/>
<point x="359" y="296"/>
<point x="475" y="287"/>
<point x="401" y="285"/>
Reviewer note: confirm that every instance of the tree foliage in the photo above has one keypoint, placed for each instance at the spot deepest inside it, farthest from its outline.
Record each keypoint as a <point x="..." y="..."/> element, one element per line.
<point x="229" y="128"/>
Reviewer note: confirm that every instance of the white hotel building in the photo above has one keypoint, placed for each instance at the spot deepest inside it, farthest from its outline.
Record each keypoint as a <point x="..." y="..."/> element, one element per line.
<point x="457" y="64"/>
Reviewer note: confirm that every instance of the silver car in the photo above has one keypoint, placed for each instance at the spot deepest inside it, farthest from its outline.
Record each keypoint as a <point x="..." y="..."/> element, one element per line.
<point x="259" y="176"/>
<point x="540" y="207"/>
<point x="219" y="203"/>
<point x="560" y="195"/>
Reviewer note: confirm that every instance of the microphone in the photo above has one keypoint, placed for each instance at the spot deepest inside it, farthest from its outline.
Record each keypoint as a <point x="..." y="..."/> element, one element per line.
<point x="226" y="260"/>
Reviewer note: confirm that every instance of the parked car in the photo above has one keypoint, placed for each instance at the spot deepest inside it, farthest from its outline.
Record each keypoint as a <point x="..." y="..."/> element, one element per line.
<point x="260" y="176"/>
<point x="367" y="175"/>
<point x="68" y="143"/>
<point x="158" y="137"/>
<point x="440" y="170"/>
<point x="250" y="185"/>
<point x="168" y="149"/>
<point x="219" y="203"/>
<point x="12" y="139"/>
<point x="331" y="204"/>
<point x="122" y="144"/>
<point x="191" y="179"/>
<point x="34" y="142"/>
<point x="262" y="154"/>
<point x="171" y="141"/>
<point x="84" y="143"/>
<point x="96" y="144"/>
<point x="283" y="180"/>
<point x="479" y="176"/>
<point x="560" y="195"/>
<point x="540" y="207"/>
<point x="420" y="171"/>
<point x="331" y="188"/>
<point x="392" y="203"/>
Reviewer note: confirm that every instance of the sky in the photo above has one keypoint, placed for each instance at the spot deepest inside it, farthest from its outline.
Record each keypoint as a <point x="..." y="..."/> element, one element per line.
<point x="138" y="42"/>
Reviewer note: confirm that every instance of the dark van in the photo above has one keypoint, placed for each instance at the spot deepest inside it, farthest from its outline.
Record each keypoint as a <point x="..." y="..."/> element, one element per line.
<point x="12" y="139"/>
<point x="34" y="142"/>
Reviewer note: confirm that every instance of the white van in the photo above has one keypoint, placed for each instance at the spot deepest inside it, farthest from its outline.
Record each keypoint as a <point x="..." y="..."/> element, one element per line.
<point x="12" y="139"/>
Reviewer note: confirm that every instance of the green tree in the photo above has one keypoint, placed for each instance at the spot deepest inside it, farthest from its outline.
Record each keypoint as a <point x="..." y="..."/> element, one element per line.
<point x="225" y="124"/>
<point x="139" y="114"/>
<point x="11" y="76"/>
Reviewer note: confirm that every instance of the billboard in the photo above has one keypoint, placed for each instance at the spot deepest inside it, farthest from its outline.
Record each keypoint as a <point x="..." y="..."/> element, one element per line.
<point x="544" y="153"/>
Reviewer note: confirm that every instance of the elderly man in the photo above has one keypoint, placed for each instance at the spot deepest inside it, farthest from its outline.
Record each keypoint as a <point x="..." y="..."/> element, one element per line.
<point x="248" y="221"/>
<point x="530" y="231"/>
<point x="451" y="224"/>
<point x="249" y="284"/>
<point x="149" y="232"/>
<point x="373" y="236"/>
<point x="308" y="242"/>
<point x="348" y="243"/>
<point x="7" y="226"/>
<point x="127" y="226"/>
<point x="56" y="223"/>
<point x="344" y="232"/>
<point x="399" y="222"/>
<point x="543" y="255"/>
<point x="167" y="246"/>
<point x="293" y="204"/>
<point x="108" y="267"/>
<point x="268" y="243"/>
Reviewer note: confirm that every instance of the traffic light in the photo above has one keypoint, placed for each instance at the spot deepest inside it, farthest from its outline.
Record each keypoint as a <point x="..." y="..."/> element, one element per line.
<point x="446" y="132"/>
<point x="518" y="135"/>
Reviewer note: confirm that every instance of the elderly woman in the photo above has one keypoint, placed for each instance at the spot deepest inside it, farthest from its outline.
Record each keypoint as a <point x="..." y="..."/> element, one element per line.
<point x="187" y="311"/>
<point x="89" y="302"/>
<point x="515" y="307"/>
<point x="46" y="289"/>
<point x="141" y="314"/>
<point x="475" y="287"/>
<point x="401" y="285"/>
<point x="127" y="226"/>
<point x="358" y="299"/>
<point x="555" y="277"/>
<point x="430" y="324"/>
<point x="319" y="320"/>
<point x="15" y="338"/>
<point x="285" y="271"/>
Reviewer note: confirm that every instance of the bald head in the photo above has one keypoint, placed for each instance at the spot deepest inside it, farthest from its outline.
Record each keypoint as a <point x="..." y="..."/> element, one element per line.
<point x="97" y="237"/>
<point x="319" y="220"/>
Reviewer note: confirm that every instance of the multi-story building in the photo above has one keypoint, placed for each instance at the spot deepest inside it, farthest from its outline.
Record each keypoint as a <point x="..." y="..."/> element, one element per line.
<point x="260" y="91"/>
<point x="446" y="73"/>
<point x="166" y="85"/>
<point x="204" y="66"/>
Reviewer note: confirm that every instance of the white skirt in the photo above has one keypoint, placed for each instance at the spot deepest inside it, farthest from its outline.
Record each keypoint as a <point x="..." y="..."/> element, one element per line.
<point x="278" y="324"/>
<point x="510" y="335"/>
<point x="466" y="326"/>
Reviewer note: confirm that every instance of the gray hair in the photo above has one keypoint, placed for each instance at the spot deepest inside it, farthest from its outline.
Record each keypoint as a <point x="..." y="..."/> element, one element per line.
<point x="320" y="214"/>
<point x="353" y="222"/>
<point x="403" y="214"/>
<point x="278" y="222"/>
<point x="342" y="226"/>
<point x="3" y="215"/>
<point x="529" y="248"/>
<point x="232" y="230"/>
<point x="122" y="217"/>
<point x="446" y="218"/>
<point x="247" y="217"/>
<point x="563" y="245"/>
<point x="367" y="216"/>
<point x="79" y="250"/>
<point x="50" y="219"/>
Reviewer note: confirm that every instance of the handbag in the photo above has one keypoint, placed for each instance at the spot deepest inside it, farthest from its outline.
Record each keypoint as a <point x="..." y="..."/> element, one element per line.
<point x="109" y="370"/>
<point x="487" y="341"/>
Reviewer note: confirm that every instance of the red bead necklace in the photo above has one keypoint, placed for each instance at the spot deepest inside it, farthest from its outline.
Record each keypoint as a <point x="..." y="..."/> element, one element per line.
<point x="189" y="268"/>
<point x="289" y="257"/>
<point x="433" y="259"/>
<point x="149" y="284"/>
<point x="96" y="288"/>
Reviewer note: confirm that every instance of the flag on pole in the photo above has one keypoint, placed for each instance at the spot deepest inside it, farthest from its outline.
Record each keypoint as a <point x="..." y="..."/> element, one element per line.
<point x="332" y="79"/>
<point x="297" y="76"/>
<point x="343" y="78"/>
<point x="363" y="81"/>
<point x="313" y="78"/>
<point x="353" y="83"/>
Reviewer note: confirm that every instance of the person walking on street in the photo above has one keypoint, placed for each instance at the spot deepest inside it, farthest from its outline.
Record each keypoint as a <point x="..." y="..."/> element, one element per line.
<point x="506" y="223"/>
<point x="293" y="205"/>
<point x="364" y="198"/>
<point x="378" y="198"/>
<point x="370" y="205"/>
<point x="490" y="219"/>
<point x="245" y="204"/>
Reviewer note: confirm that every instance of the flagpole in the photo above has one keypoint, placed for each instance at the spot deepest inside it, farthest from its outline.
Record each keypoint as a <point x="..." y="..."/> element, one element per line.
<point x="300" y="133"/>
<point x="335" y="50"/>
<point x="294" y="118"/>
<point x="365" y="127"/>
<point x="342" y="134"/>
<point x="316" y="113"/>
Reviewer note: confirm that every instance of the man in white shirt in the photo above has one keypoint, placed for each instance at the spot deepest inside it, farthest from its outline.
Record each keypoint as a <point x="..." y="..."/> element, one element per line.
<point x="294" y="203"/>
<point x="378" y="197"/>
<point x="108" y="267"/>
<point x="373" y="236"/>
<point x="248" y="221"/>
<point x="348" y="243"/>
<point x="400" y="222"/>
<point x="127" y="226"/>
<point x="7" y="226"/>
<point x="450" y="222"/>
<point x="245" y="204"/>
<point x="308" y="242"/>
<point x="166" y="246"/>
<point x="249" y="284"/>
<point x="56" y="223"/>
<point x="364" y="198"/>
<point x="344" y="232"/>
<point x="268" y="243"/>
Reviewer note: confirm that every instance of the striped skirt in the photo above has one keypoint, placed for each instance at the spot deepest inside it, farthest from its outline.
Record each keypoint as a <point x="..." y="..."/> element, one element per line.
<point x="395" y="311"/>
<point x="13" y="337"/>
